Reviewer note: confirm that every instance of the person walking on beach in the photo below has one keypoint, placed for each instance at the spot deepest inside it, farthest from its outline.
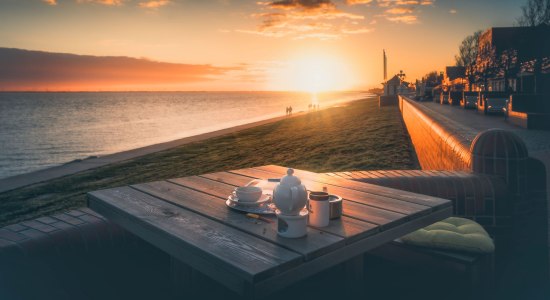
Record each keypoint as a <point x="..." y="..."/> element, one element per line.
<point x="286" y="111"/>
<point x="290" y="110"/>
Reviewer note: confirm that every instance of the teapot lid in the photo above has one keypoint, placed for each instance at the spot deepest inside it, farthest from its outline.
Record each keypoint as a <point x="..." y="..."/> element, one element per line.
<point x="290" y="179"/>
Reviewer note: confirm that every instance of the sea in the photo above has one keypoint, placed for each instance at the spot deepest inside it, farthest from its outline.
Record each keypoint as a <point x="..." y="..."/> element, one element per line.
<point x="41" y="130"/>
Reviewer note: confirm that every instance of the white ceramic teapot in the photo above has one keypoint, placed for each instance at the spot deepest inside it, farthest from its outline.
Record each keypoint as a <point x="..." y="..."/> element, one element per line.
<point x="290" y="196"/>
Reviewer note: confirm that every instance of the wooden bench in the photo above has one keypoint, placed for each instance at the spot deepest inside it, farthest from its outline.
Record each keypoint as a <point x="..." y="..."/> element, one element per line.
<point x="474" y="197"/>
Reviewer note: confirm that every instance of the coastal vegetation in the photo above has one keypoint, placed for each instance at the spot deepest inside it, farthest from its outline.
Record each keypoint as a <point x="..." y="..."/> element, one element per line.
<point x="357" y="136"/>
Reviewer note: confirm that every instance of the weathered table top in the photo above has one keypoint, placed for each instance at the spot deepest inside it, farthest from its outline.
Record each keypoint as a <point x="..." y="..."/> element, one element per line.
<point x="188" y="219"/>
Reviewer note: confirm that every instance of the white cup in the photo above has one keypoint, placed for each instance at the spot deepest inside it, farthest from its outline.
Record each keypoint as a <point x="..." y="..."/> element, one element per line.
<point x="319" y="209"/>
<point x="248" y="193"/>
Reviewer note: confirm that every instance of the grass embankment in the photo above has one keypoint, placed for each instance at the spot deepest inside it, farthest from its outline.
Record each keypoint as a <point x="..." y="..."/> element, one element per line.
<point x="359" y="136"/>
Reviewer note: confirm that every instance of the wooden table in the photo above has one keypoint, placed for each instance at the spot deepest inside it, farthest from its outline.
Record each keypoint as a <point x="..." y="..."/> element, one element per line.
<point x="188" y="219"/>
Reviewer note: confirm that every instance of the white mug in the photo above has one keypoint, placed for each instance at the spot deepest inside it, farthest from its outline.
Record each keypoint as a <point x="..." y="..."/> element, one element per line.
<point x="319" y="209"/>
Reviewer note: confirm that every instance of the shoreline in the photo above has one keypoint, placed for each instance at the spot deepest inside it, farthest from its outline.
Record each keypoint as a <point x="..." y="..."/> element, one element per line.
<point x="79" y="165"/>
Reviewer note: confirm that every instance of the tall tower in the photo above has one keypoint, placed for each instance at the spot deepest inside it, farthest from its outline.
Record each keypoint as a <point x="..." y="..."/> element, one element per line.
<point x="385" y="65"/>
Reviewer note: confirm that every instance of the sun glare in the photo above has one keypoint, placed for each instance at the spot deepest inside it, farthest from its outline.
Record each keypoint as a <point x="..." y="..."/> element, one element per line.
<point x="314" y="74"/>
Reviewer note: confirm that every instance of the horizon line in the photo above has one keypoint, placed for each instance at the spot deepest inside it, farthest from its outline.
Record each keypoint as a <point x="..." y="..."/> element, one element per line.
<point x="179" y="91"/>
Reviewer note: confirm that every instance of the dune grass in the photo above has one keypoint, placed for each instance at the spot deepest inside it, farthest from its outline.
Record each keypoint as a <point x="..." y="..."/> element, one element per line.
<point x="359" y="136"/>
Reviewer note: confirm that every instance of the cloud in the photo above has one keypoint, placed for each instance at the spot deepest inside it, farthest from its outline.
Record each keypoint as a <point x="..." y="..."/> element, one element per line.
<point x="104" y="2"/>
<point x="400" y="10"/>
<point x="403" y="11"/>
<point x="37" y="70"/>
<point x="150" y="4"/>
<point x="355" y="2"/>
<point x="324" y="19"/>
<point x="302" y="19"/>
<point x="154" y="3"/>
<point x="303" y="4"/>
<point x="388" y="3"/>
<point x="408" y="19"/>
<point x="358" y="30"/>
<point x="453" y="11"/>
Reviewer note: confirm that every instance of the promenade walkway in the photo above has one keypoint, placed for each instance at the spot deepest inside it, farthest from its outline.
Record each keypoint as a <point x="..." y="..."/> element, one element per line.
<point x="537" y="141"/>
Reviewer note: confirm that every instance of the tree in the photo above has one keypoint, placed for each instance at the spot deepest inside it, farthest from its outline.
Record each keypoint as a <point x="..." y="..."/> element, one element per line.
<point x="467" y="55"/>
<point x="431" y="79"/>
<point x="534" y="13"/>
<point x="487" y="62"/>
<point x="508" y="65"/>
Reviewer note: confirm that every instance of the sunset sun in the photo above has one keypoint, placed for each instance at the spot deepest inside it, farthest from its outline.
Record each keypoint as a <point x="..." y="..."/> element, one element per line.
<point x="318" y="73"/>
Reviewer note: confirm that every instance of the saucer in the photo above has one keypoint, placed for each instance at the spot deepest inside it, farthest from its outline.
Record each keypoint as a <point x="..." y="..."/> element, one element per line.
<point x="266" y="208"/>
<point x="233" y="199"/>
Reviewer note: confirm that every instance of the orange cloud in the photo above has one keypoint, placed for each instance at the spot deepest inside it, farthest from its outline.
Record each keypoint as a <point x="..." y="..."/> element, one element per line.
<point x="408" y="19"/>
<point x="50" y="2"/>
<point x="37" y="70"/>
<point x="358" y="30"/>
<point x="301" y="19"/>
<point x="303" y="4"/>
<point x="355" y="2"/>
<point x="103" y="2"/>
<point x="387" y="3"/>
<point x="154" y="3"/>
<point x="400" y="10"/>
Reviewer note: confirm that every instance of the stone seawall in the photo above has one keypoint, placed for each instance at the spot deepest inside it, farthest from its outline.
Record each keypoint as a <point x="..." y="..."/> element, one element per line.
<point x="388" y="100"/>
<point x="439" y="144"/>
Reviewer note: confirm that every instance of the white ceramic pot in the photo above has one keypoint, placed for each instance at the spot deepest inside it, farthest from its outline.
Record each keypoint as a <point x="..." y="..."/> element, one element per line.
<point x="290" y="196"/>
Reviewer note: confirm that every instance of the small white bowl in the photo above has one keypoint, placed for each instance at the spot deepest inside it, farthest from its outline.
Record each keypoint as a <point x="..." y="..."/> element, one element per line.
<point x="248" y="193"/>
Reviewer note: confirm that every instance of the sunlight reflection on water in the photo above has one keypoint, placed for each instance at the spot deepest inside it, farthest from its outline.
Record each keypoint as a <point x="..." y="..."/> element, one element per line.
<point x="40" y="130"/>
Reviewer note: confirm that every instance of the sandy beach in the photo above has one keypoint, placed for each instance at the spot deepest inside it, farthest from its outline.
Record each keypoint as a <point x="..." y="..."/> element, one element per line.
<point x="354" y="136"/>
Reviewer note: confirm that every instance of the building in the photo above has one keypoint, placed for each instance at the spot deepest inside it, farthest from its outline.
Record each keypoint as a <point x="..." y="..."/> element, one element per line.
<point x="396" y="85"/>
<point x="455" y="78"/>
<point x="392" y="86"/>
<point x="514" y="59"/>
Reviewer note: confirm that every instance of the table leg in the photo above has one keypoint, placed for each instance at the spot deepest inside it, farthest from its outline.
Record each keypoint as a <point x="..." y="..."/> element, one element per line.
<point x="181" y="277"/>
<point x="354" y="272"/>
<point x="188" y="283"/>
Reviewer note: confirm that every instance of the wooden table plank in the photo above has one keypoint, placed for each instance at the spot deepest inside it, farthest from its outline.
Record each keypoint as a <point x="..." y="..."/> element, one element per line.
<point x="373" y="200"/>
<point x="226" y="177"/>
<point x="314" y="244"/>
<point x="202" y="239"/>
<point x="349" y="228"/>
<point x="380" y="217"/>
<point x="434" y="202"/>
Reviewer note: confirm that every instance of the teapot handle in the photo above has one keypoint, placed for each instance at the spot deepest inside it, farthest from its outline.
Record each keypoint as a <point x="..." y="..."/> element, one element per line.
<point x="293" y="196"/>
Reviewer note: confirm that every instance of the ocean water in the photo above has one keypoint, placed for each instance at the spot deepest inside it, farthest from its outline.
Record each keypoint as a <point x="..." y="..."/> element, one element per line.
<point x="40" y="130"/>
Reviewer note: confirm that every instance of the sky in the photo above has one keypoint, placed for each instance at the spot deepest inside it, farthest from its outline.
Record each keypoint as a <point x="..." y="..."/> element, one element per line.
<point x="311" y="45"/>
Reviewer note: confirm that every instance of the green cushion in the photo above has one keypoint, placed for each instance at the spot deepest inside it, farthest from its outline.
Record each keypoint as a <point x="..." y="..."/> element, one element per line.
<point x="454" y="234"/>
